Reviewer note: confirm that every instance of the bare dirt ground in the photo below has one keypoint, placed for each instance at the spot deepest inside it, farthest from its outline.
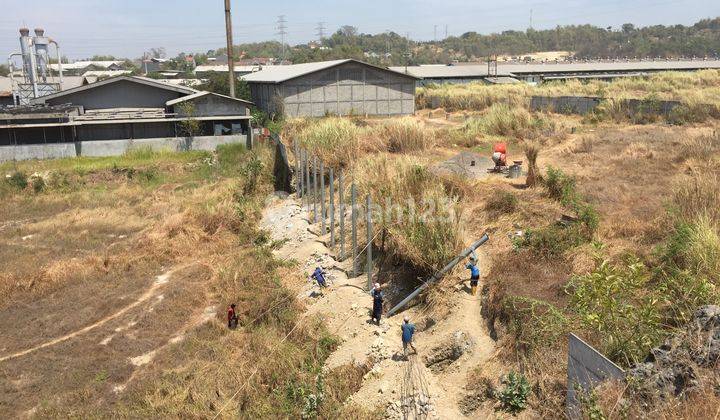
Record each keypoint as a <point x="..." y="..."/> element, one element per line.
<point x="346" y="307"/>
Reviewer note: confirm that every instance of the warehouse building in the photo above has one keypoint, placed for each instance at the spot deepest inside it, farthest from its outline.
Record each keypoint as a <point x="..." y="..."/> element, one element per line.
<point x="548" y="71"/>
<point x="339" y="87"/>
<point x="112" y="116"/>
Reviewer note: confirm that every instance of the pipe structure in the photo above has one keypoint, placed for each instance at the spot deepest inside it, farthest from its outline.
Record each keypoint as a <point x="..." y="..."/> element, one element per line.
<point x="437" y="276"/>
<point x="11" y="67"/>
<point x="59" y="61"/>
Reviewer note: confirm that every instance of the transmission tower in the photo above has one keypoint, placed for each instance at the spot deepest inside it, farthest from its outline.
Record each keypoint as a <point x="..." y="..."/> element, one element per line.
<point x="282" y="31"/>
<point x="320" y="28"/>
<point x="435" y="33"/>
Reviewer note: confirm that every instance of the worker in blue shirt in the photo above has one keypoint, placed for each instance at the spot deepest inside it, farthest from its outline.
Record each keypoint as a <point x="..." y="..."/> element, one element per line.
<point x="474" y="275"/>
<point x="319" y="276"/>
<point x="408" y="330"/>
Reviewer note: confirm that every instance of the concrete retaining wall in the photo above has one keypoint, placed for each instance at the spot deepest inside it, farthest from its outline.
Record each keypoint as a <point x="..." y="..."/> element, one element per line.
<point x="585" y="104"/>
<point x="37" y="151"/>
<point x="565" y="104"/>
<point x="114" y="147"/>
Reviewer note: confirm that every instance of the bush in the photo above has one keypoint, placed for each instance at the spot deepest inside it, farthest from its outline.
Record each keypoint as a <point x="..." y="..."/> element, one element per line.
<point x="38" y="184"/>
<point x="534" y="324"/>
<point x="616" y="304"/>
<point x="560" y="186"/>
<point x="514" y="395"/>
<point x="18" y="180"/>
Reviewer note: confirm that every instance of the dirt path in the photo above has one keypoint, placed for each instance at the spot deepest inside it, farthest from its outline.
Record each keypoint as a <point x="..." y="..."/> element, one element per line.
<point x="150" y="292"/>
<point x="429" y="384"/>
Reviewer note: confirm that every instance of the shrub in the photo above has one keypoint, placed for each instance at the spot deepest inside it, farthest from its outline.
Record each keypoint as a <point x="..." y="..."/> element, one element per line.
<point x="18" y="180"/>
<point x="560" y="186"/>
<point x="615" y="303"/>
<point x="38" y="184"/>
<point x="513" y="397"/>
<point x="534" y="324"/>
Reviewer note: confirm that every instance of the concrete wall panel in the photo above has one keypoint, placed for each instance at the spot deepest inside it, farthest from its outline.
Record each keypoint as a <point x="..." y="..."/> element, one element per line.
<point x="37" y="151"/>
<point x="331" y="93"/>
<point x="395" y="107"/>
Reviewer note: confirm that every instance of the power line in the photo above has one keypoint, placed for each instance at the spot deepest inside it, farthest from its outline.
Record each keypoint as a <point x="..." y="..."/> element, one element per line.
<point x="282" y="31"/>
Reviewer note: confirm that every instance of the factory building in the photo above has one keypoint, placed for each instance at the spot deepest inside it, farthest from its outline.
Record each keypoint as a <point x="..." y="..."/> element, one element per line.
<point x="115" y="115"/>
<point x="339" y="87"/>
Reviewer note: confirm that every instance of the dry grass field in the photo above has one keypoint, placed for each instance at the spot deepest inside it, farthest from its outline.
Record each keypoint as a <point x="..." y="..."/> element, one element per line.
<point x="117" y="271"/>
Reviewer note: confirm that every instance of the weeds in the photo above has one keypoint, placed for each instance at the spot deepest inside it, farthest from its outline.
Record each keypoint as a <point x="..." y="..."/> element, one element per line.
<point x="534" y="324"/>
<point x="513" y="397"/>
<point x="405" y="135"/>
<point x="18" y="180"/>
<point x="614" y="302"/>
<point x="502" y="202"/>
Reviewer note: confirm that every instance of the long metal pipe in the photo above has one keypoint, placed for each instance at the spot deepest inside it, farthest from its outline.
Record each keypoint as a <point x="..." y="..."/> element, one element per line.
<point x="437" y="276"/>
<point x="11" y="67"/>
<point x="59" y="61"/>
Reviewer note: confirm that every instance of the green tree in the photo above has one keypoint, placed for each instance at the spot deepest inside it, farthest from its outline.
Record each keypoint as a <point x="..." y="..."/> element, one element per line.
<point x="218" y="83"/>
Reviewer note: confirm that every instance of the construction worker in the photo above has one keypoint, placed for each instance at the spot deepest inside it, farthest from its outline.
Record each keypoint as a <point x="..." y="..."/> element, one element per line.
<point x="232" y="317"/>
<point x="319" y="276"/>
<point x="474" y="275"/>
<point x="378" y="297"/>
<point x="499" y="155"/>
<point x="408" y="330"/>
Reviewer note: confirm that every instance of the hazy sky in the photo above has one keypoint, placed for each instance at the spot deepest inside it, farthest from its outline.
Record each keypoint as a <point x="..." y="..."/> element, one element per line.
<point x="129" y="27"/>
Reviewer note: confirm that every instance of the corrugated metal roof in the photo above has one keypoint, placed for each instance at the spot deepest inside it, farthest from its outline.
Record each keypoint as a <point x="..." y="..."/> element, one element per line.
<point x="278" y="74"/>
<point x="617" y="66"/>
<point x="79" y="65"/>
<point x="514" y="69"/>
<point x="136" y="79"/>
<point x="223" y="68"/>
<point x="447" y="72"/>
<point x="204" y="93"/>
<point x="105" y="73"/>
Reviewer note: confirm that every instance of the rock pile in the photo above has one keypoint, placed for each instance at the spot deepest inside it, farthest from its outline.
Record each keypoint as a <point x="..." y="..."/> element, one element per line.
<point x="673" y="368"/>
<point x="378" y="351"/>
<point x="411" y="407"/>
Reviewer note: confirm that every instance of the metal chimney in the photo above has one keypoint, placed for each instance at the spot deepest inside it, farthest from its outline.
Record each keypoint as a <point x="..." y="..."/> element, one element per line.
<point x="28" y="70"/>
<point x="40" y="42"/>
